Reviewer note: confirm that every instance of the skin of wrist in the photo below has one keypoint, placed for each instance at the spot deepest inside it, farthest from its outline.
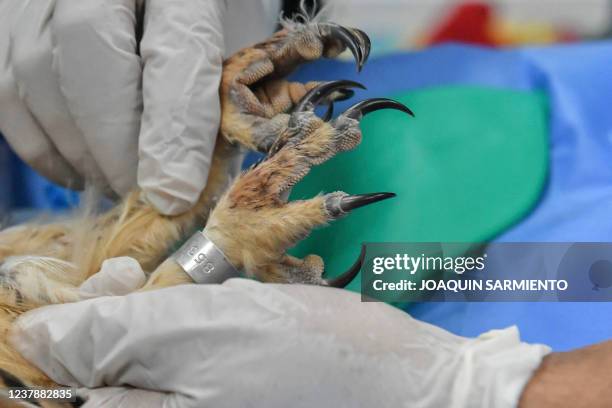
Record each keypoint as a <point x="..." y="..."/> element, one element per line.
<point x="580" y="378"/>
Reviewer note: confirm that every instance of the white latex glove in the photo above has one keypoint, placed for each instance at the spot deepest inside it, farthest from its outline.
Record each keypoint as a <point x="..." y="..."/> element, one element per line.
<point x="245" y="343"/>
<point x="78" y="102"/>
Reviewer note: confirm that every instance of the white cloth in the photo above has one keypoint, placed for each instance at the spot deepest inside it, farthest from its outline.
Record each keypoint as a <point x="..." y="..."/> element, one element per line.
<point x="77" y="101"/>
<point x="245" y="343"/>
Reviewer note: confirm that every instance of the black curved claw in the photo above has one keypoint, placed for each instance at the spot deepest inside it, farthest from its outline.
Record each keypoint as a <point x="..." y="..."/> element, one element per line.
<point x="339" y="206"/>
<point x="322" y="92"/>
<point x="341" y="95"/>
<point x="347" y="277"/>
<point x="355" y="40"/>
<point x="330" y="112"/>
<point x="352" y="202"/>
<point x="362" y="108"/>
<point x="367" y="44"/>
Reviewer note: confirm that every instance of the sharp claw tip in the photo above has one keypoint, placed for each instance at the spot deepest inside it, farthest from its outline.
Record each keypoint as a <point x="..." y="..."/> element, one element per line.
<point x="401" y="107"/>
<point x="354" y="84"/>
<point x="382" y="196"/>
<point x="353" y="202"/>
<point x="371" y="105"/>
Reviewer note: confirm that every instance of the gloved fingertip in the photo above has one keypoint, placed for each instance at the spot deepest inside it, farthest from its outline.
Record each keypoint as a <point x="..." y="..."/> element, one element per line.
<point x="117" y="276"/>
<point x="168" y="205"/>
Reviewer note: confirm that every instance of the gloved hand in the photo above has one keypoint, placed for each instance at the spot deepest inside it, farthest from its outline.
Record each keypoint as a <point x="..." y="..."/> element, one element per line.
<point x="264" y="345"/>
<point x="82" y="97"/>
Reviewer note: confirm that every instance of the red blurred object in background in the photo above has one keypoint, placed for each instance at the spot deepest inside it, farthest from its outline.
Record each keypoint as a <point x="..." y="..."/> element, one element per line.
<point x="478" y="23"/>
<point x="468" y="23"/>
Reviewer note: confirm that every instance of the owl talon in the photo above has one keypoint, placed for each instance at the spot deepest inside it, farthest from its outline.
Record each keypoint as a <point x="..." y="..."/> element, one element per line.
<point x="347" y="277"/>
<point x="355" y="40"/>
<point x="360" y="109"/>
<point x="325" y="92"/>
<point x="340" y="204"/>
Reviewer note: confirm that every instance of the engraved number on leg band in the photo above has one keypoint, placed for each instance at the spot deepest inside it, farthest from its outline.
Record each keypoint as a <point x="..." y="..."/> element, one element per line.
<point x="201" y="259"/>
